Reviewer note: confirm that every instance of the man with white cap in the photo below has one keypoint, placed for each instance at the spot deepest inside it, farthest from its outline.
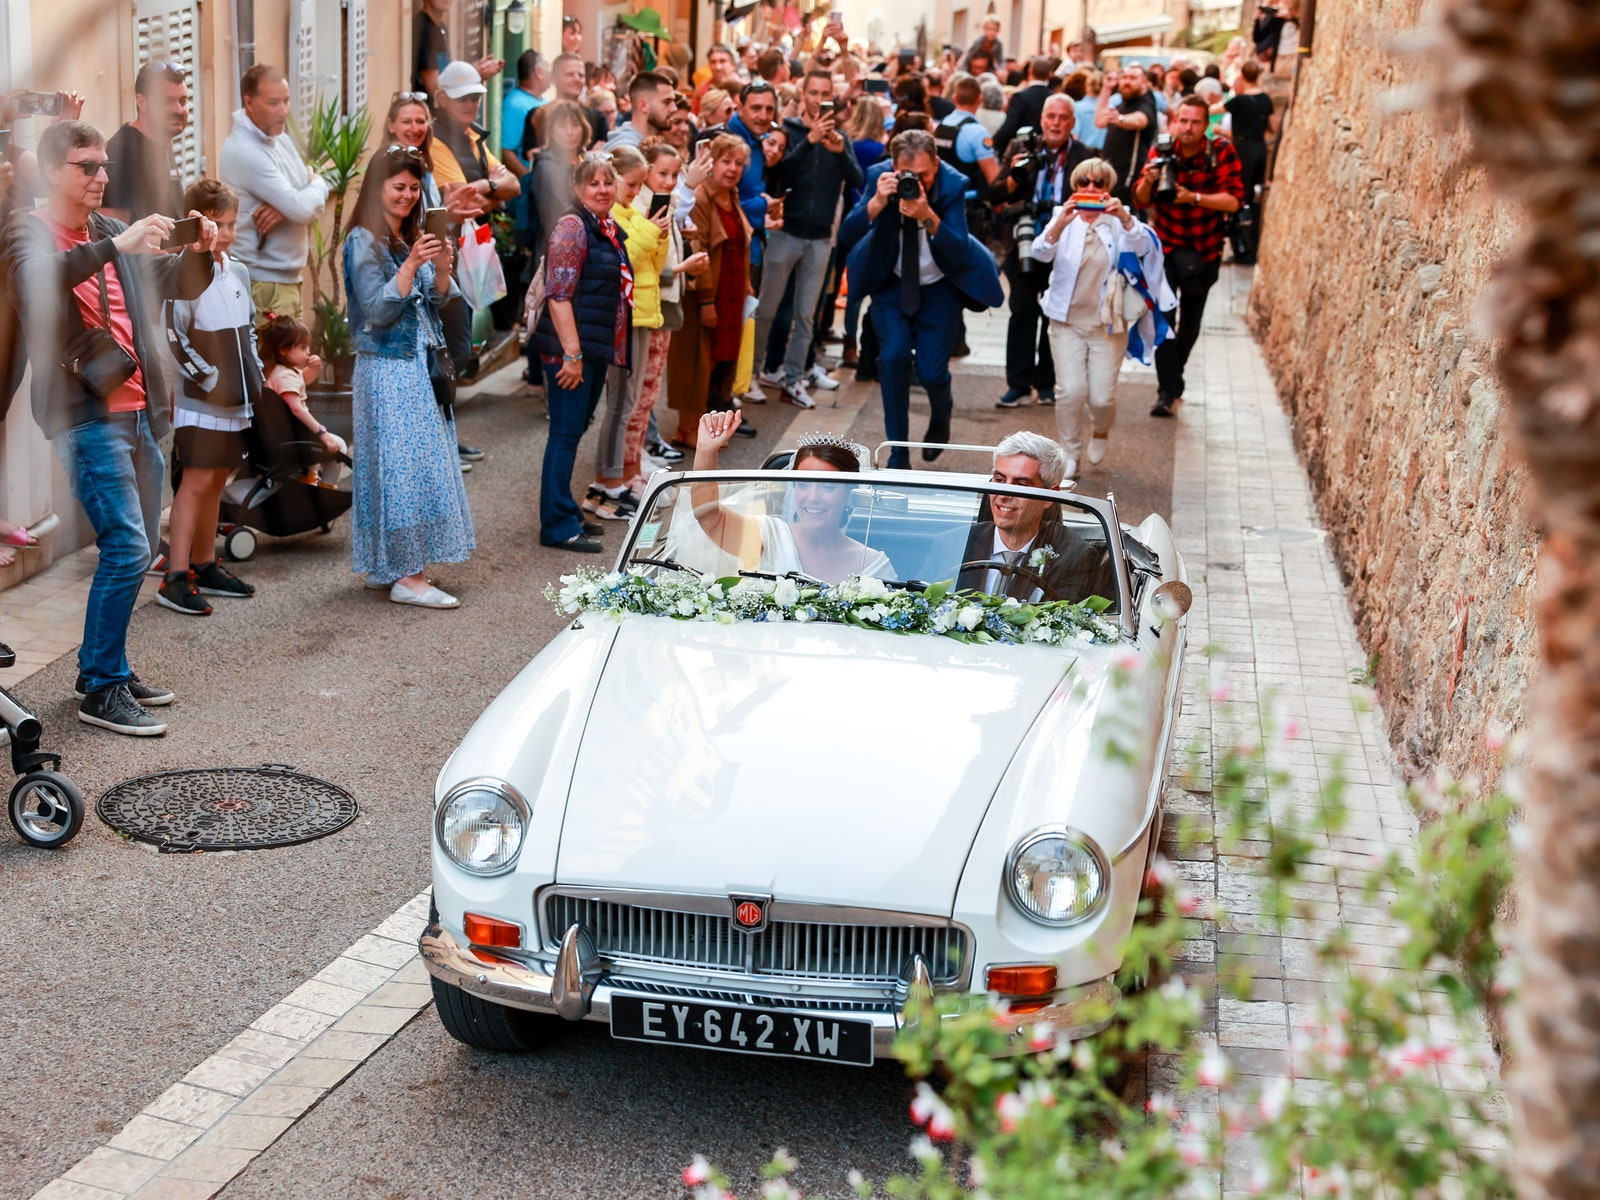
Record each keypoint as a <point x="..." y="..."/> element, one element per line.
<point x="460" y="144"/>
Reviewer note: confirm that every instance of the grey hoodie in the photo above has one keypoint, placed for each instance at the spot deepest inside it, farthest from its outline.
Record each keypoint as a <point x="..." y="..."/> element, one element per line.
<point x="267" y="170"/>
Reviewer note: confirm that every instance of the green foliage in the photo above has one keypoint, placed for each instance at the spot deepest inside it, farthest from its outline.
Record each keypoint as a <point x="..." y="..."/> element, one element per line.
<point x="331" y="332"/>
<point x="1388" y="1097"/>
<point x="333" y="145"/>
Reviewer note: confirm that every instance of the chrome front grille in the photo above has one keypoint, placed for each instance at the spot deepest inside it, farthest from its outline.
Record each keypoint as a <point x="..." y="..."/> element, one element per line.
<point x="857" y="953"/>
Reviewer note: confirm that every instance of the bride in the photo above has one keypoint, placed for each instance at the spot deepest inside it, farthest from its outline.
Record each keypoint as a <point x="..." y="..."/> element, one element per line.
<point x="814" y="543"/>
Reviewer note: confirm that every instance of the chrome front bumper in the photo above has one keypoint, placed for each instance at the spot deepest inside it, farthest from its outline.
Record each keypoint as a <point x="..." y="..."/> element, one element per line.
<point x="578" y="989"/>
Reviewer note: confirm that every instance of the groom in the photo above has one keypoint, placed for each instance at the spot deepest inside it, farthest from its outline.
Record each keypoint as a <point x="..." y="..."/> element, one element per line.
<point x="1024" y="550"/>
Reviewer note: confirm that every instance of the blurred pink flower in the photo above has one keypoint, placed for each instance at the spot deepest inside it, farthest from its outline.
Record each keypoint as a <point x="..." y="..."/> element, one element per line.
<point x="697" y="1172"/>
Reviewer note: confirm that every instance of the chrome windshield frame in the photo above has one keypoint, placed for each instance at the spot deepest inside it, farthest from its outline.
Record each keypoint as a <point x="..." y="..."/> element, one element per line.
<point x="1104" y="510"/>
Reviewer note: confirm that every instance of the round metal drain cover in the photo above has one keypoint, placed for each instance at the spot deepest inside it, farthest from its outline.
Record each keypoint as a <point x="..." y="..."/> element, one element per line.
<point x="226" y="808"/>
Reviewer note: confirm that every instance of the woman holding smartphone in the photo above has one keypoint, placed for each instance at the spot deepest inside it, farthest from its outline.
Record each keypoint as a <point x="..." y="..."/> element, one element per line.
<point x="410" y="508"/>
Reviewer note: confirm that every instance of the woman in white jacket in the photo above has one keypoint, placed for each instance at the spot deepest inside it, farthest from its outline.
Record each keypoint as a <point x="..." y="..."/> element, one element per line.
<point x="1090" y="303"/>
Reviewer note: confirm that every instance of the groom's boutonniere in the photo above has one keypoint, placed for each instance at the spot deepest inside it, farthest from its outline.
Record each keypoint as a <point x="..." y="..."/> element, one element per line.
<point x="1042" y="558"/>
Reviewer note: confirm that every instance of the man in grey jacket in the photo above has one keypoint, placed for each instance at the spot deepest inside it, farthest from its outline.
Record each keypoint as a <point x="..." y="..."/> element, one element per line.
<point x="279" y="197"/>
<point x="102" y="403"/>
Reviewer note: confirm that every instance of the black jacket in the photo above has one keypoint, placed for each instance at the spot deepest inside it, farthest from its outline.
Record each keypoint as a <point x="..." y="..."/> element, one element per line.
<point x="1025" y="109"/>
<point x="815" y="179"/>
<point x="42" y="278"/>
<point x="1076" y="568"/>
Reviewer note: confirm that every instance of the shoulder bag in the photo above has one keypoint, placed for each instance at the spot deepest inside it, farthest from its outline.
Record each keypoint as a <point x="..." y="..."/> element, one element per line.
<point x="94" y="357"/>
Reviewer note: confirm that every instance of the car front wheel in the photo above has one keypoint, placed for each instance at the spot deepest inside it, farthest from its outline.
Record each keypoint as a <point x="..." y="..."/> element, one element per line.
<point x="484" y="1025"/>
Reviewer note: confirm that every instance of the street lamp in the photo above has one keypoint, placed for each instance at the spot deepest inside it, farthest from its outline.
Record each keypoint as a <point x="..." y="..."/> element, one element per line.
<point x="516" y="18"/>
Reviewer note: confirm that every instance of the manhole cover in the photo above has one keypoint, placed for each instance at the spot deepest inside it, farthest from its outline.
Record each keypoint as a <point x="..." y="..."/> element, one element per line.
<point x="226" y="808"/>
<point x="1281" y="535"/>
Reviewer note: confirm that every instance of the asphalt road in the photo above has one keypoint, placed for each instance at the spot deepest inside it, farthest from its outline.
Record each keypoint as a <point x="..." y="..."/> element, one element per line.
<point x="125" y="967"/>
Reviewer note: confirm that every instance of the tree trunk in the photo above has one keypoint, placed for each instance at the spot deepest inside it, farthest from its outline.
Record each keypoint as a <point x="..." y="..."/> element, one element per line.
<point x="1528" y="77"/>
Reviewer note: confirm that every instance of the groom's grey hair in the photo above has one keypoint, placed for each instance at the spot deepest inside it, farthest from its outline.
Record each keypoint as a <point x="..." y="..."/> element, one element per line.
<point x="1052" y="459"/>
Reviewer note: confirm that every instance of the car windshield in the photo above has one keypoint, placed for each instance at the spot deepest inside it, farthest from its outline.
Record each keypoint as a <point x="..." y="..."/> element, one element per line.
<point x="812" y="527"/>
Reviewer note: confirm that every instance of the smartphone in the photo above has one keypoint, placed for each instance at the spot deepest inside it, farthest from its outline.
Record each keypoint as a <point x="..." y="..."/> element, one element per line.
<point x="659" y="202"/>
<point x="44" y="104"/>
<point x="437" y="222"/>
<point x="907" y="57"/>
<point x="826" y="108"/>
<point x="5" y="143"/>
<point x="1088" y="201"/>
<point x="185" y="233"/>
<point x="835" y="16"/>
<point x="877" y="87"/>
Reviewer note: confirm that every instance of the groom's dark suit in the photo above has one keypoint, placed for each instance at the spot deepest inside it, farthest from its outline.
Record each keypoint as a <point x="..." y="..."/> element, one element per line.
<point x="1080" y="568"/>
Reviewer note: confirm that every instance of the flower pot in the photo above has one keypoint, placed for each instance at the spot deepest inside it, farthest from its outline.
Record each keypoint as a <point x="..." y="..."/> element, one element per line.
<point x="330" y="404"/>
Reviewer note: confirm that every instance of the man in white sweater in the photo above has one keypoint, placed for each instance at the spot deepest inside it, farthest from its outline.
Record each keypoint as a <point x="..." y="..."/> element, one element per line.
<point x="279" y="197"/>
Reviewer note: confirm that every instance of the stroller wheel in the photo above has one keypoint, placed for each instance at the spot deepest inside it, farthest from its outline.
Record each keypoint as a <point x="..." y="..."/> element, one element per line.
<point x="240" y="544"/>
<point x="46" y="809"/>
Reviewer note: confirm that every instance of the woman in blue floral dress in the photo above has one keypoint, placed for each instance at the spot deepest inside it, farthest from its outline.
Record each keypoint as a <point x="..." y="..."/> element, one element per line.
<point x="410" y="506"/>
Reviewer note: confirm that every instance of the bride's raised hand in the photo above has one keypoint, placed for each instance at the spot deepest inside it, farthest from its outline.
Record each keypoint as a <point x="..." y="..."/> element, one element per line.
<point x="716" y="431"/>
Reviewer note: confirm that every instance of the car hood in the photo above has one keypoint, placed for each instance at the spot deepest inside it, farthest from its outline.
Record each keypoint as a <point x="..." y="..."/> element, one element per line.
<point x="820" y="764"/>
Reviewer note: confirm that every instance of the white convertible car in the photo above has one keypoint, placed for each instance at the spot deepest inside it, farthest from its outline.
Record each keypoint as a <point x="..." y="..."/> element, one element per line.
<point x="735" y="807"/>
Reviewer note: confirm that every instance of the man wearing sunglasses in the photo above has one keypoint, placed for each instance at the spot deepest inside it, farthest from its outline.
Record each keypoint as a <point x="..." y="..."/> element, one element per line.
<point x="280" y="198"/>
<point x="89" y="290"/>
<point x="145" y="183"/>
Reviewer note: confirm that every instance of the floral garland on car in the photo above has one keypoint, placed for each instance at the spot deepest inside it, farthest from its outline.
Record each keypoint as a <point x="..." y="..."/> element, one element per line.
<point x="866" y="602"/>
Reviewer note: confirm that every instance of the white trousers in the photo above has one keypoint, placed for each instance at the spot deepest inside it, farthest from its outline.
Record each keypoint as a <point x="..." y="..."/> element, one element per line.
<point x="1088" y="362"/>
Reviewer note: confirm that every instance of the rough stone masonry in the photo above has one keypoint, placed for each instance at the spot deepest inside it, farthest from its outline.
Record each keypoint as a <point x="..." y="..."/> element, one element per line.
<point x="1377" y="244"/>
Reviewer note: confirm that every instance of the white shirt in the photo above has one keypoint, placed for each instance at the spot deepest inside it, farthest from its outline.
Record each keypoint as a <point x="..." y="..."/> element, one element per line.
<point x="928" y="271"/>
<point x="995" y="582"/>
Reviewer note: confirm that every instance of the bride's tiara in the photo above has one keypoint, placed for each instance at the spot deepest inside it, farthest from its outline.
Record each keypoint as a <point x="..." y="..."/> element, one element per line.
<point x="807" y="440"/>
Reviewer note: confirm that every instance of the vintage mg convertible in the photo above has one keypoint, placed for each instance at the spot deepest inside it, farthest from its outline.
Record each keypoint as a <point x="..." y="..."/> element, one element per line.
<point x="732" y="806"/>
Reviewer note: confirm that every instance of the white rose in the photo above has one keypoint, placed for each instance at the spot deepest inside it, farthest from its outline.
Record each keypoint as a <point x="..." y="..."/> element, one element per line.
<point x="787" y="593"/>
<point x="870" y="587"/>
<point x="686" y="608"/>
<point x="970" y="616"/>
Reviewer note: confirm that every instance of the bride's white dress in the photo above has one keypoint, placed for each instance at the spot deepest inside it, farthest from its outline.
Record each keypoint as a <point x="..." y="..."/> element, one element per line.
<point x="780" y="555"/>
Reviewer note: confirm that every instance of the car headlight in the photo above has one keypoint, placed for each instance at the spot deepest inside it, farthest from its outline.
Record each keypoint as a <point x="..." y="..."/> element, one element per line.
<point x="480" y="825"/>
<point x="1057" y="875"/>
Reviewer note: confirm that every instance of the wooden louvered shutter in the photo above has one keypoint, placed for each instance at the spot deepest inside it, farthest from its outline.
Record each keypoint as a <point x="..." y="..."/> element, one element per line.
<point x="472" y="33"/>
<point x="303" y="60"/>
<point x="169" y="31"/>
<point x="355" y="54"/>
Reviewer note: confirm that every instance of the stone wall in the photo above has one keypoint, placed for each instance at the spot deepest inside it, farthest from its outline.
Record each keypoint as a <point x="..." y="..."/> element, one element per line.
<point x="1378" y="243"/>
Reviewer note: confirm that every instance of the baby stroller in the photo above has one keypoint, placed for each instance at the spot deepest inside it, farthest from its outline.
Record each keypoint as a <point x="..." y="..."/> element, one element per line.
<point x="273" y="497"/>
<point x="46" y="807"/>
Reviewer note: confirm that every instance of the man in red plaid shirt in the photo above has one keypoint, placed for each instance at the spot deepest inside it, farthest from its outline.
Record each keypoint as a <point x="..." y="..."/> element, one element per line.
<point x="1192" y="227"/>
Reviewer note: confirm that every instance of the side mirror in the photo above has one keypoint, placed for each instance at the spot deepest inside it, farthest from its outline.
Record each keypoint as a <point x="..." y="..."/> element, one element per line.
<point x="1171" y="600"/>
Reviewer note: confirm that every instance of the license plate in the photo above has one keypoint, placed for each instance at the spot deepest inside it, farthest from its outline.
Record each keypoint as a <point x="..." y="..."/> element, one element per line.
<point x="674" y="1022"/>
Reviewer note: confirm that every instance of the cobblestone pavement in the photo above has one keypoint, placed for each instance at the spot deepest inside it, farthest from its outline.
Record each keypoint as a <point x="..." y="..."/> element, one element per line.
<point x="330" y="1092"/>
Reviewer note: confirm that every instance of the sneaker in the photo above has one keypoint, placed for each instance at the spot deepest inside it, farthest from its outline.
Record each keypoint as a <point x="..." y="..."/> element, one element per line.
<point x="795" y="393"/>
<point x="1164" y="406"/>
<point x="819" y="378"/>
<point x="583" y="545"/>
<point x="144" y="693"/>
<point x="180" y="593"/>
<point x="1047" y="397"/>
<point x="773" y="377"/>
<point x="1013" y="398"/>
<point x="665" y="452"/>
<point x="1097" y="450"/>
<point x="214" y="579"/>
<point x="611" y="504"/>
<point x="431" y="598"/>
<point x="1072" y="469"/>
<point x="468" y="453"/>
<point x="754" y="396"/>
<point x="465" y="466"/>
<point x="114" y="708"/>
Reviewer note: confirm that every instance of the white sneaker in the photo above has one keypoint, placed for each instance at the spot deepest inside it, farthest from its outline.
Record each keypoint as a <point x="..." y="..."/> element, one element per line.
<point x="775" y="378"/>
<point x="821" y="379"/>
<point x="1097" y="450"/>
<point x="1072" y="468"/>
<point x="795" y="393"/>
<point x="432" y="598"/>
<point x="754" y="396"/>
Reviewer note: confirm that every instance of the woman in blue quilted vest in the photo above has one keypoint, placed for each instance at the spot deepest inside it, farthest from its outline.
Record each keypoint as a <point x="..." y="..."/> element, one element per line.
<point x="585" y="330"/>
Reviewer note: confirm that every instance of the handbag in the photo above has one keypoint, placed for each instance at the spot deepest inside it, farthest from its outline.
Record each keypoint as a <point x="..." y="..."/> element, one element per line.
<point x="94" y="357"/>
<point x="442" y="375"/>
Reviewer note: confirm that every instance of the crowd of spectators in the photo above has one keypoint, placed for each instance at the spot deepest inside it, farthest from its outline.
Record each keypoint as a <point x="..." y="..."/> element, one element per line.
<point x="682" y="233"/>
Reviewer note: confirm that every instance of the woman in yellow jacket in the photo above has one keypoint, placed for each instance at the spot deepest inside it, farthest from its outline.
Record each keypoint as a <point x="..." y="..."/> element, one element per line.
<point x="647" y="244"/>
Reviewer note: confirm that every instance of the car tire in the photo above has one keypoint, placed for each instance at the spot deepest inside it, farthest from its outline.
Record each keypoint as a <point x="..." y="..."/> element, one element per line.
<point x="483" y="1025"/>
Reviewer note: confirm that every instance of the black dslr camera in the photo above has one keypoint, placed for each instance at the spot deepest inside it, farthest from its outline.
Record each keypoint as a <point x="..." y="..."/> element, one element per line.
<point x="1025" y="162"/>
<point x="907" y="186"/>
<point x="1166" y="164"/>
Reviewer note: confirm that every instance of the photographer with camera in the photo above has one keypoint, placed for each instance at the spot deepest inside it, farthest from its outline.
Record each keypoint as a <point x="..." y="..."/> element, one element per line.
<point x="1193" y="184"/>
<point x="1035" y="179"/>
<point x="818" y="169"/>
<point x="909" y="250"/>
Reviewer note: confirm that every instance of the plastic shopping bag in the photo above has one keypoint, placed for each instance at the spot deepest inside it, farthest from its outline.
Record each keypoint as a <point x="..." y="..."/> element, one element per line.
<point x="478" y="271"/>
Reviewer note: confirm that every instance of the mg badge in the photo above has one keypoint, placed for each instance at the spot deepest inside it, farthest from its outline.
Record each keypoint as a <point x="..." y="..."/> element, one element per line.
<point x="750" y="913"/>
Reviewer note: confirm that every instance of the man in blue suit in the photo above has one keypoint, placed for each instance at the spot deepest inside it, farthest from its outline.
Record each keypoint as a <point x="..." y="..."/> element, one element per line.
<point x="913" y="256"/>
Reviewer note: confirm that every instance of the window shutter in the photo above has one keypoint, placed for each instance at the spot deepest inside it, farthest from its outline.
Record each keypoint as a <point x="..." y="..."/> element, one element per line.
<point x="303" y="59"/>
<point x="472" y="41"/>
<point x="355" y="42"/>
<point x="169" y="31"/>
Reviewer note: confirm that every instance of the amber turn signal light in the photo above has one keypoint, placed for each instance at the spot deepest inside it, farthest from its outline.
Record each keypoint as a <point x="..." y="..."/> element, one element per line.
<point x="1032" y="979"/>
<point x="490" y="931"/>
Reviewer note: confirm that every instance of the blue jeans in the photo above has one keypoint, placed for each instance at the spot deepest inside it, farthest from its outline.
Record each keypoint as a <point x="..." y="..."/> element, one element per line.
<point x="116" y="468"/>
<point x="932" y="332"/>
<point x="571" y="410"/>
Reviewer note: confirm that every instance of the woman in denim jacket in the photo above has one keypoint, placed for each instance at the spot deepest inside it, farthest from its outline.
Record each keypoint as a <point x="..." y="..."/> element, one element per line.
<point x="410" y="506"/>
